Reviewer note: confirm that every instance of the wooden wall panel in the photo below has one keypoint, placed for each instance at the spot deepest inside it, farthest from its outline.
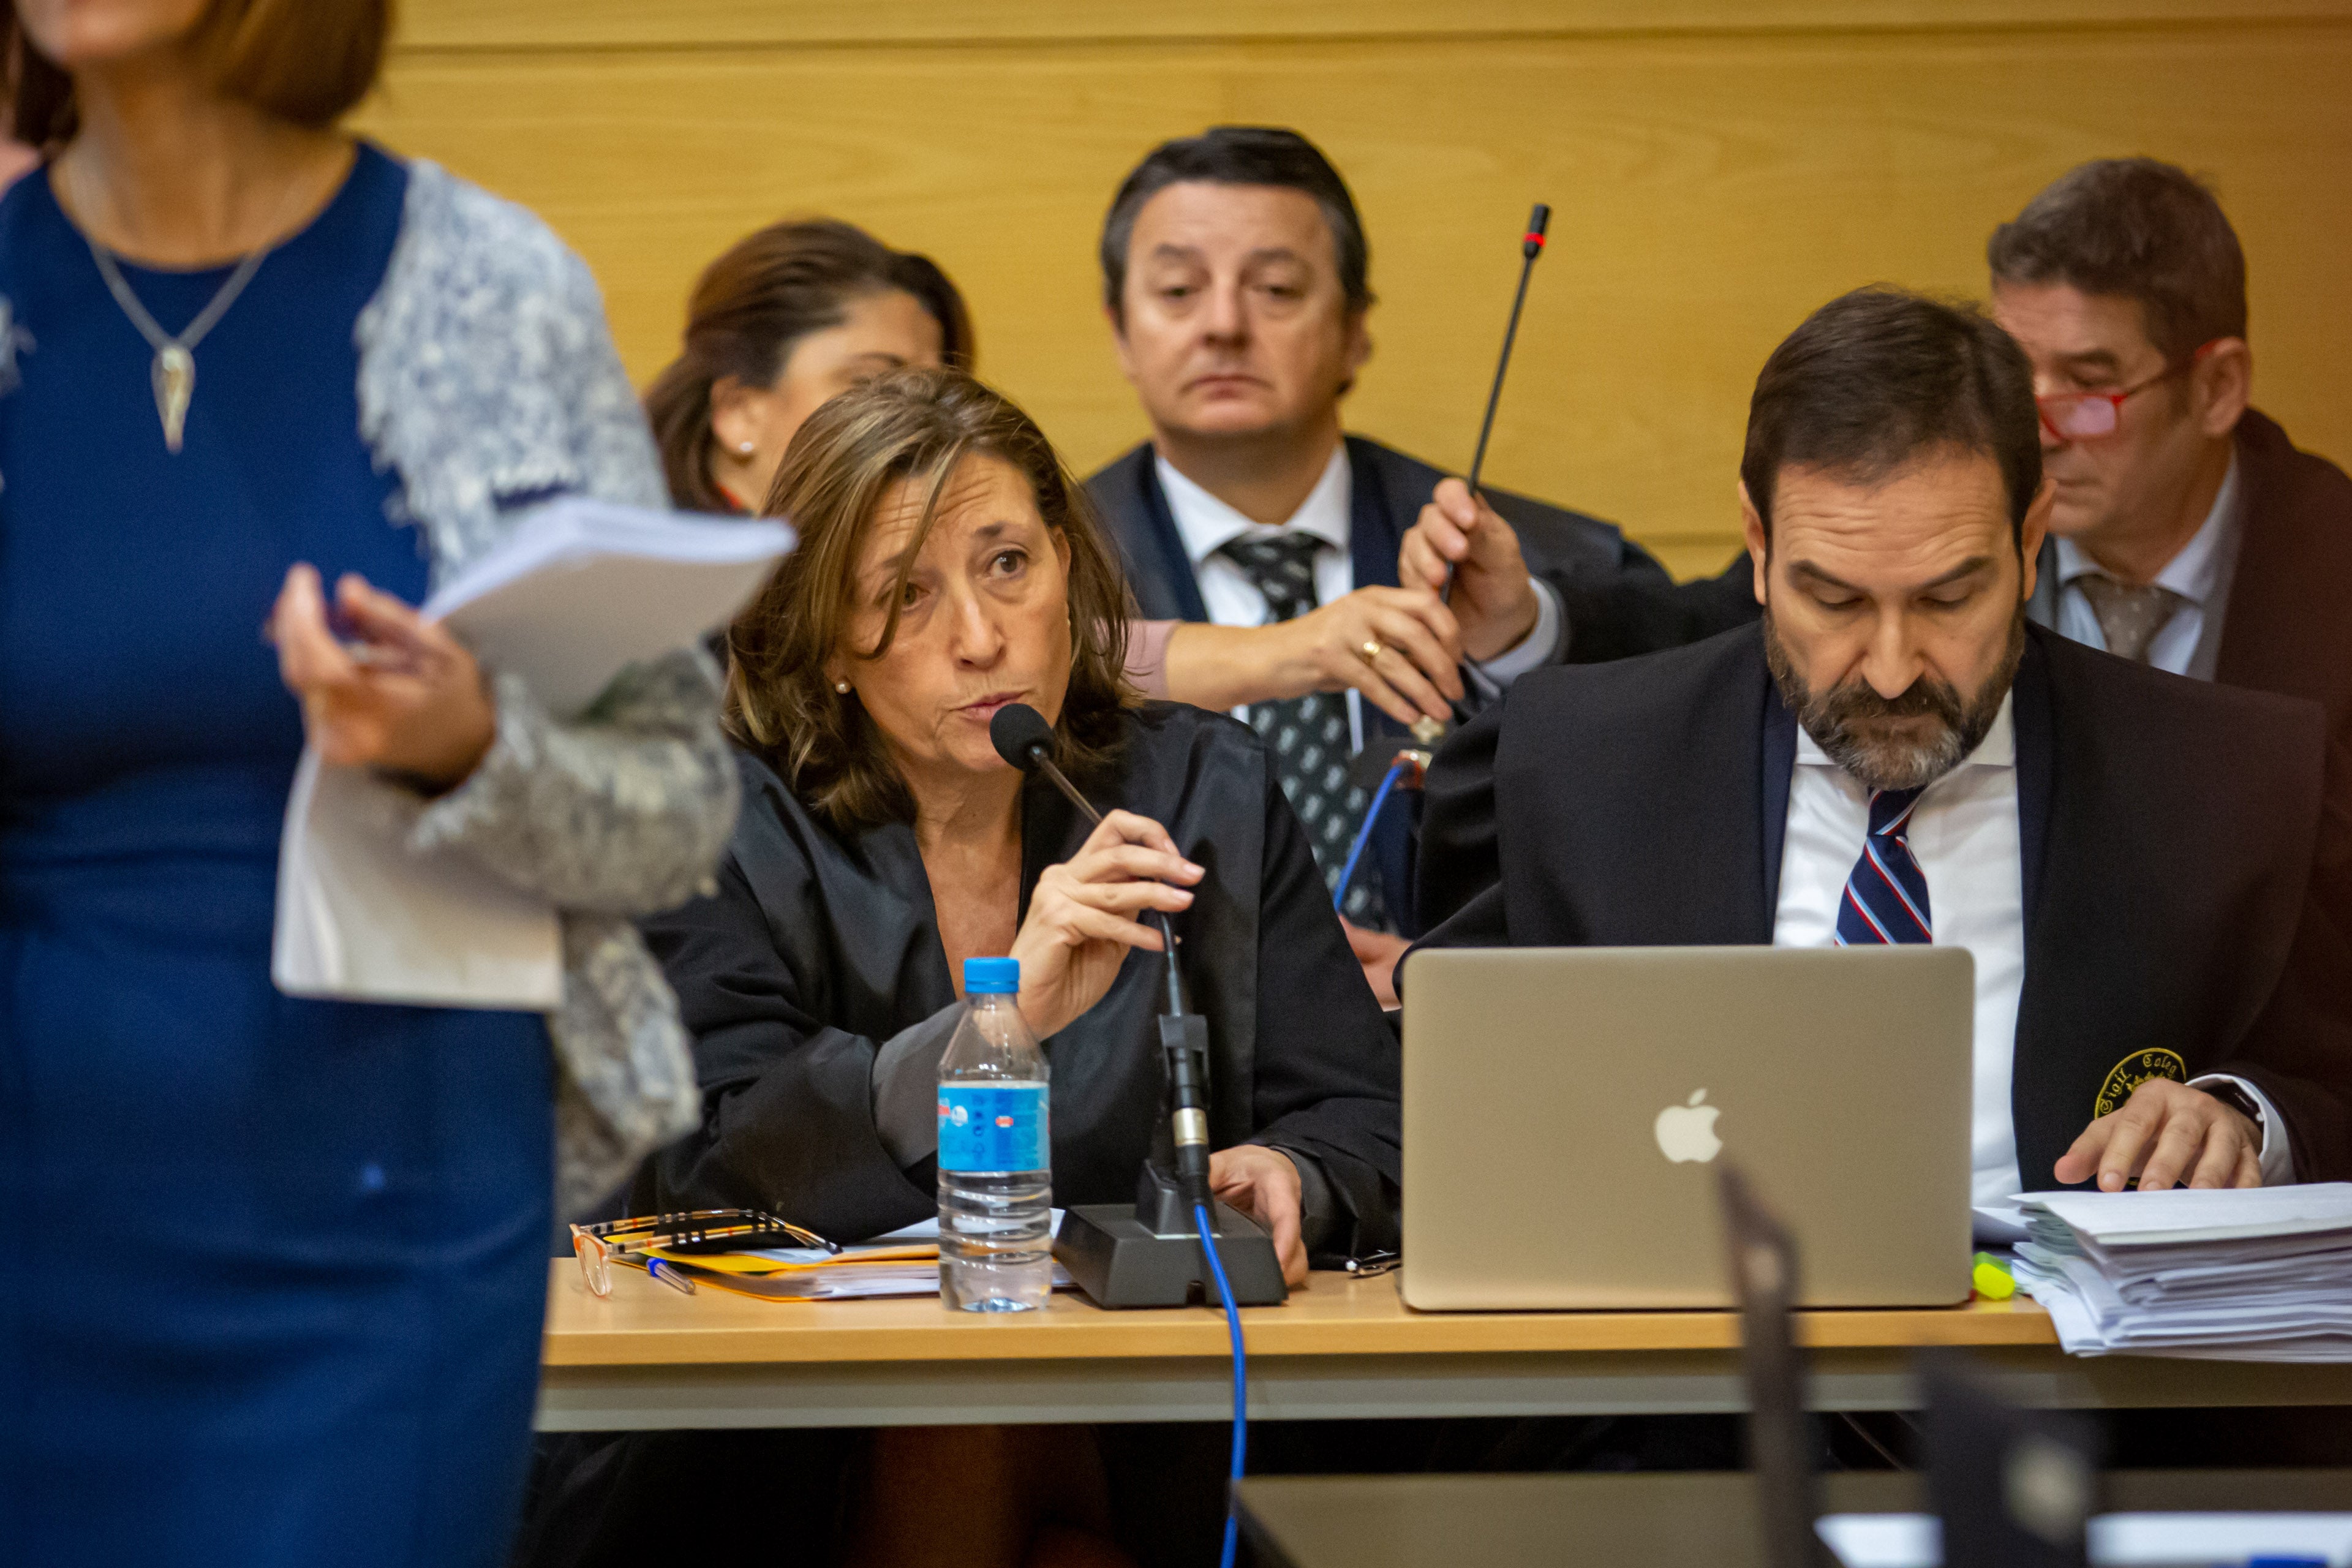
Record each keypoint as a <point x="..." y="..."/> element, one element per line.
<point x="667" y="24"/>
<point x="1708" y="190"/>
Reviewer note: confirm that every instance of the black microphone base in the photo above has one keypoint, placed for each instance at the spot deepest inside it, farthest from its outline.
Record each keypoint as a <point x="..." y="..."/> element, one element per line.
<point x="1120" y="1260"/>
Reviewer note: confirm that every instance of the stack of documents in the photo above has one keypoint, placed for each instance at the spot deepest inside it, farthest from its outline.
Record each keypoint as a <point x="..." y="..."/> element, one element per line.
<point x="581" y="590"/>
<point x="2251" y="1274"/>
<point x="903" y="1263"/>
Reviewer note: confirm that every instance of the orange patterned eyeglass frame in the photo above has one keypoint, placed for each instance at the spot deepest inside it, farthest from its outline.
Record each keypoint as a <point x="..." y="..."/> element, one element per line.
<point x="596" y="1260"/>
<point x="597" y="1244"/>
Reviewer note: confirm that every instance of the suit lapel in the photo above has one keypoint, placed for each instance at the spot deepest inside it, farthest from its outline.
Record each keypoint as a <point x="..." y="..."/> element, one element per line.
<point x="1680" y="868"/>
<point x="1780" y="773"/>
<point x="1174" y="573"/>
<point x="2278" y="600"/>
<point x="2088" y="984"/>
<point x="1375" y="533"/>
<point x="2029" y="716"/>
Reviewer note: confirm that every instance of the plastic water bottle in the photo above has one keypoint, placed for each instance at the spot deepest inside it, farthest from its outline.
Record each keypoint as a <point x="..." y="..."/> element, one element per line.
<point x="996" y="1181"/>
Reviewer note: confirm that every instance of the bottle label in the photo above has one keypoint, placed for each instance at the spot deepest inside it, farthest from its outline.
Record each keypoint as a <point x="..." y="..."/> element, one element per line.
<point x="992" y="1127"/>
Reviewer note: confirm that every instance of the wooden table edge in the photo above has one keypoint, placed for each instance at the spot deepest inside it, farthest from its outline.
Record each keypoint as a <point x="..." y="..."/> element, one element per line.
<point x="1362" y="1318"/>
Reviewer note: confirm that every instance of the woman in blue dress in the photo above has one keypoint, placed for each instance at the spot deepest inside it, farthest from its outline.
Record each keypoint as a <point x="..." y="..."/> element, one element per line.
<point x="277" y="1267"/>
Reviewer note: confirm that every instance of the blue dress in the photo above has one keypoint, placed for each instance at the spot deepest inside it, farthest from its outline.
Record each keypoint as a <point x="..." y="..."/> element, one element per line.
<point x="274" y="1268"/>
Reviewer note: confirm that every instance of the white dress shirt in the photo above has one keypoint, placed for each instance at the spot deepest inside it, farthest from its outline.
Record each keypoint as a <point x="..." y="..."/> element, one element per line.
<point x="2190" y="642"/>
<point x="1963" y="833"/>
<point x="1206" y="525"/>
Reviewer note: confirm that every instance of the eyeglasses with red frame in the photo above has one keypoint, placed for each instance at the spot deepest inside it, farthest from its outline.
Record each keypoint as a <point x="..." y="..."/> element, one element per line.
<point x="2088" y="416"/>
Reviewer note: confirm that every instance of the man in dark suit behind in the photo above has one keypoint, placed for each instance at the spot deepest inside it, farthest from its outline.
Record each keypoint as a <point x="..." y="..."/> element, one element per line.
<point x="2188" y="533"/>
<point x="1896" y="754"/>
<point x="1235" y="280"/>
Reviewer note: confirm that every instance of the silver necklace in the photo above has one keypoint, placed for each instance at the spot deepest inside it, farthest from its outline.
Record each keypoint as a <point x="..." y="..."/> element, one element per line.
<point x="172" y="374"/>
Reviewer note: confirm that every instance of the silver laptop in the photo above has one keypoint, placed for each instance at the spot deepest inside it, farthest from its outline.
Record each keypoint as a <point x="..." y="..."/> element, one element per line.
<point x="1564" y="1109"/>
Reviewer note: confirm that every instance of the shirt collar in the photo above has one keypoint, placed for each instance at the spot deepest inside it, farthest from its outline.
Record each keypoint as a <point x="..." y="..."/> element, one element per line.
<point x="2195" y="571"/>
<point x="1996" y="750"/>
<point x="1207" y="524"/>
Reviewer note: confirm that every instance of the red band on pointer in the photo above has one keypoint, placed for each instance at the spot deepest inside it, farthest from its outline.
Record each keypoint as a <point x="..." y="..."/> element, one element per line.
<point x="1535" y="240"/>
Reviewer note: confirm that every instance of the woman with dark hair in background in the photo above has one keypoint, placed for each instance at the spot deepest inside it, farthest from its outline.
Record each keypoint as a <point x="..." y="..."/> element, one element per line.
<point x="788" y="317"/>
<point x="285" y="1260"/>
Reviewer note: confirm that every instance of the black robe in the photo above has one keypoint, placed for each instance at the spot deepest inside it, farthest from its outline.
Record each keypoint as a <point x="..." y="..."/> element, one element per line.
<point x="819" y="946"/>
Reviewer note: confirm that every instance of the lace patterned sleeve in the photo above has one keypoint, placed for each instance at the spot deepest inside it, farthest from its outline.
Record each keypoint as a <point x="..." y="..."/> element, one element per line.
<point x="623" y="811"/>
<point x="500" y="386"/>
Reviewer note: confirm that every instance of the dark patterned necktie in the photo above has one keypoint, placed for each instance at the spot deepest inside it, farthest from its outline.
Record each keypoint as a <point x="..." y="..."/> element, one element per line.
<point x="2130" y="615"/>
<point x="1308" y="735"/>
<point x="1887" y="893"/>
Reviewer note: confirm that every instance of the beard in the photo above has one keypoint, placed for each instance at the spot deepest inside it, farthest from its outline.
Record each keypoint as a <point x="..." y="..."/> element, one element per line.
<point x="1877" y="738"/>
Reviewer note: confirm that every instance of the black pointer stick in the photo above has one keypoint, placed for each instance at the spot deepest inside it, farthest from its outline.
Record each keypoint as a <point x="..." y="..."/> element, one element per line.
<point x="1426" y="730"/>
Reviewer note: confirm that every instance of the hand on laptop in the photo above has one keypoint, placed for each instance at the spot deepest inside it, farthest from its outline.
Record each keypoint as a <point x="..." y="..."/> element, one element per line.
<point x="1264" y="1184"/>
<point x="2167" y="1135"/>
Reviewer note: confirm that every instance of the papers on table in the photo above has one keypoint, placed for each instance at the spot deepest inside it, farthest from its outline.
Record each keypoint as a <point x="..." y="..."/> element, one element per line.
<point x="2251" y="1274"/>
<point x="580" y="590"/>
<point x="904" y="1263"/>
<point x="2117" y="1540"/>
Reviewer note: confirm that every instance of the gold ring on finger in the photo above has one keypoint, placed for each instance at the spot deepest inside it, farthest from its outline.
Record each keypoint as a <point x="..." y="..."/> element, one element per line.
<point x="1369" y="653"/>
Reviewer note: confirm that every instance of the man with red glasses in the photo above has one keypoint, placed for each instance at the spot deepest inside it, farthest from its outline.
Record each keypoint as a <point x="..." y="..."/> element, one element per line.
<point x="2188" y="533"/>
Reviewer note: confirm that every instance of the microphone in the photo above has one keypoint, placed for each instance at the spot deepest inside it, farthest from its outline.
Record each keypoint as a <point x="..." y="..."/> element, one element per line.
<point x="1426" y="730"/>
<point x="1023" y="738"/>
<point x="1121" y="1255"/>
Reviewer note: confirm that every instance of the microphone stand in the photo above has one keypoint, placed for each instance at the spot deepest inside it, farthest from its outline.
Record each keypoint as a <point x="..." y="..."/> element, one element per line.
<point x="1426" y="729"/>
<point x="1151" y="1254"/>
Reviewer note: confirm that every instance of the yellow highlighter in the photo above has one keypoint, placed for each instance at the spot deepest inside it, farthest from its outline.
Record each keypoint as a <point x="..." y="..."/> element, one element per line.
<point x="1992" y="1278"/>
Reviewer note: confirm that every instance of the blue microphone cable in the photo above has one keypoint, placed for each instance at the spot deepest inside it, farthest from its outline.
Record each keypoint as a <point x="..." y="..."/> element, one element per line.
<point x="1364" y="834"/>
<point x="1241" y="1377"/>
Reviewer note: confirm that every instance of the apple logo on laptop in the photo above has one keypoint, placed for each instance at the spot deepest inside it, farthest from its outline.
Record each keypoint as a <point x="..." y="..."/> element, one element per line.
<point x="1686" y="1132"/>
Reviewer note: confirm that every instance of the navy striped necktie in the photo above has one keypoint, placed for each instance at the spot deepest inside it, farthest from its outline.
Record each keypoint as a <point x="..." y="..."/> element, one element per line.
<point x="1887" y="893"/>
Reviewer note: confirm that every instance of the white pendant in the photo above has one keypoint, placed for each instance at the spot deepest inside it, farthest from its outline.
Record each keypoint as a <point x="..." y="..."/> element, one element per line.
<point x="174" y="376"/>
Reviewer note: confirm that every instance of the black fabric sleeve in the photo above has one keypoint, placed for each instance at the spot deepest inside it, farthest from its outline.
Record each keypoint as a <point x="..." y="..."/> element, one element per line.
<point x="1325" y="1221"/>
<point x="1631" y="612"/>
<point x="1327" y="1070"/>
<point x="2299" y="1052"/>
<point x="788" y="1103"/>
<point x="1457" y="857"/>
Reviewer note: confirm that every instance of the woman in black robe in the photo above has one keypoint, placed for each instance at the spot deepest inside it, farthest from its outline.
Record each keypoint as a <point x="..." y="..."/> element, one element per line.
<point x="947" y="566"/>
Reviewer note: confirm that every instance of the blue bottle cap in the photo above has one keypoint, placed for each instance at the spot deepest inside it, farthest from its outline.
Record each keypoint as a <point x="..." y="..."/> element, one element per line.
<point x="992" y="976"/>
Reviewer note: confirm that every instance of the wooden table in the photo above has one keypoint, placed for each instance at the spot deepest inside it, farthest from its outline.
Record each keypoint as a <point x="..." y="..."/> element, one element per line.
<point x="648" y="1358"/>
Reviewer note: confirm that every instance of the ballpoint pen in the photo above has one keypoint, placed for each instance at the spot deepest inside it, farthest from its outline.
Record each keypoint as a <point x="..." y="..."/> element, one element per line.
<point x="668" y="1274"/>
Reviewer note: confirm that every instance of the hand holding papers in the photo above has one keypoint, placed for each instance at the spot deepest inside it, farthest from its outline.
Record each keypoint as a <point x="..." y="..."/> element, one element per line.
<point x="582" y="590"/>
<point x="2248" y="1274"/>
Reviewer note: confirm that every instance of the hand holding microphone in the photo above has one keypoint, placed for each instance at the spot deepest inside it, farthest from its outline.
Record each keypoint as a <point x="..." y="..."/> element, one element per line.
<point x="1096" y="896"/>
<point x="1088" y="910"/>
<point x="1494" y="600"/>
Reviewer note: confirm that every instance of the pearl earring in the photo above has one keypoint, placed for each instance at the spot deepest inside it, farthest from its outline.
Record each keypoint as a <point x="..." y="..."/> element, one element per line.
<point x="842" y="687"/>
<point x="746" y="449"/>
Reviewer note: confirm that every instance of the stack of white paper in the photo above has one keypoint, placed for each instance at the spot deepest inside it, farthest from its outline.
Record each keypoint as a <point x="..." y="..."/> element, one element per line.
<point x="579" y="592"/>
<point x="2251" y="1274"/>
